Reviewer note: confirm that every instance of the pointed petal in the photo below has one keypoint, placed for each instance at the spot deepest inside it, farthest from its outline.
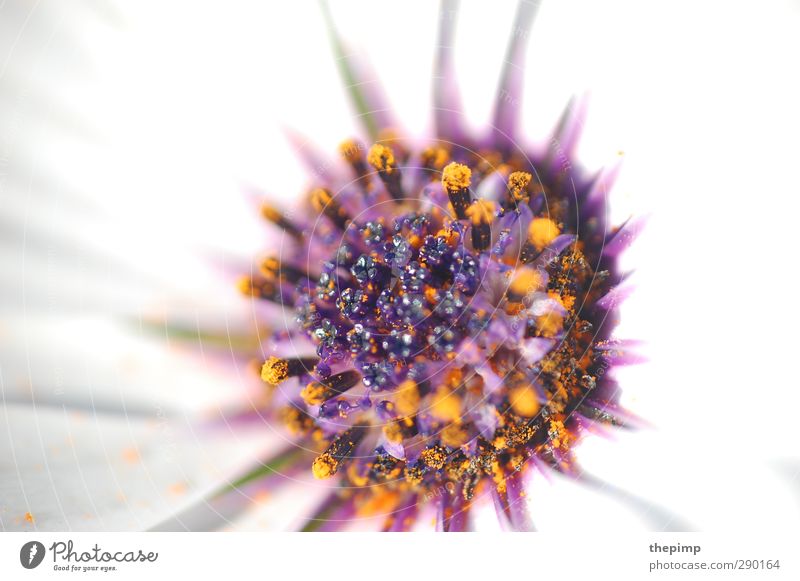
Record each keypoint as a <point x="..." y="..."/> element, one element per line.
<point x="326" y="516"/>
<point x="606" y="413"/>
<point x="76" y="471"/>
<point x="624" y="236"/>
<point x="361" y="84"/>
<point x="447" y="110"/>
<point x="219" y="509"/>
<point x="658" y="517"/>
<point x="595" y="198"/>
<point x="277" y="464"/>
<point x="402" y="519"/>
<point x="219" y="339"/>
<point x="567" y="133"/>
<point x="322" y="167"/>
<point x="615" y="297"/>
<point x="512" y="504"/>
<point x="509" y="93"/>
<point x="453" y="512"/>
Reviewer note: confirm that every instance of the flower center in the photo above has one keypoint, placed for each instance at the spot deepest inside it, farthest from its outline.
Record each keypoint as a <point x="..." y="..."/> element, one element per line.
<point x="445" y="296"/>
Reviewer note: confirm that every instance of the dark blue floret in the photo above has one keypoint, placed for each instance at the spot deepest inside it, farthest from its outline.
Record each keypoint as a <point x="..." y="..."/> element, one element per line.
<point x="372" y="233"/>
<point x="378" y="375"/>
<point x="358" y="339"/>
<point x="449" y="306"/>
<point x="413" y="223"/>
<point x="326" y="285"/>
<point x="345" y="256"/>
<point x="367" y="270"/>
<point x="415" y="277"/>
<point x="466" y="273"/>
<point x="399" y="344"/>
<point x="410" y="309"/>
<point x="398" y="252"/>
<point x="443" y="339"/>
<point x="434" y="252"/>
<point x="326" y="333"/>
<point x="354" y="303"/>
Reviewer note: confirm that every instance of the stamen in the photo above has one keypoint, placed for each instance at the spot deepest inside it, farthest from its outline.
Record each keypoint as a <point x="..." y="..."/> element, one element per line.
<point x="390" y="137"/>
<point x="541" y="232"/>
<point x="323" y="202"/>
<point x="276" y="370"/>
<point x="517" y="187"/>
<point x="414" y="474"/>
<point x="327" y="463"/>
<point x="446" y="405"/>
<point x="352" y="152"/>
<point x="381" y="157"/>
<point x="456" y="179"/>
<point x="318" y="392"/>
<point x="400" y="429"/>
<point x="434" y="158"/>
<point x="273" y="269"/>
<point x="261" y="288"/>
<point x="549" y="324"/>
<point x="273" y="215"/>
<point x="524" y="401"/>
<point x="433" y="457"/>
<point x="525" y="281"/>
<point x="454" y="435"/>
<point x="296" y="421"/>
<point x="481" y="214"/>
<point x="406" y="398"/>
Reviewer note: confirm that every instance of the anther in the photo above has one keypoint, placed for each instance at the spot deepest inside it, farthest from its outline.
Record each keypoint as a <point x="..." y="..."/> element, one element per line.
<point x="518" y="183"/>
<point x="276" y="217"/>
<point x="526" y="280"/>
<point x="342" y="447"/>
<point x="318" y="392"/>
<point x="434" y="159"/>
<point x="456" y="179"/>
<point x="262" y="288"/>
<point x="541" y="232"/>
<point x="276" y="370"/>
<point x="275" y="270"/>
<point x="381" y="157"/>
<point x="481" y="214"/>
<point x="324" y="203"/>
<point x="352" y="152"/>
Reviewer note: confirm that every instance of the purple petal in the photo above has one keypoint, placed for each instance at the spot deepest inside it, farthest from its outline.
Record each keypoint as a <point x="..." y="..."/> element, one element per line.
<point x="508" y="100"/>
<point x="323" y="168"/>
<point x="453" y="511"/>
<point x="566" y="134"/>
<point x="512" y="505"/>
<point x="535" y="348"/>
<point x="447" y="109"/>
<point x="624" y="236"/>
<point x="614" y="297"/>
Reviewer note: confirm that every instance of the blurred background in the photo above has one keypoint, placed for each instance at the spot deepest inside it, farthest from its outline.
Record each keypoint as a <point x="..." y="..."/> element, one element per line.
<point x="132" y="136"/>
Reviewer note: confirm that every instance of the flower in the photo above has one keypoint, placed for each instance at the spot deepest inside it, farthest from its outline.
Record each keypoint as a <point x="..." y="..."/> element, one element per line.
<point x="453" y="303"/>
<point x="119" y="177"/>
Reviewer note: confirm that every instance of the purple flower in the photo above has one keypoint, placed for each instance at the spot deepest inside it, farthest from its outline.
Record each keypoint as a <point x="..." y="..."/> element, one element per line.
<point x="460" y="295"/>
